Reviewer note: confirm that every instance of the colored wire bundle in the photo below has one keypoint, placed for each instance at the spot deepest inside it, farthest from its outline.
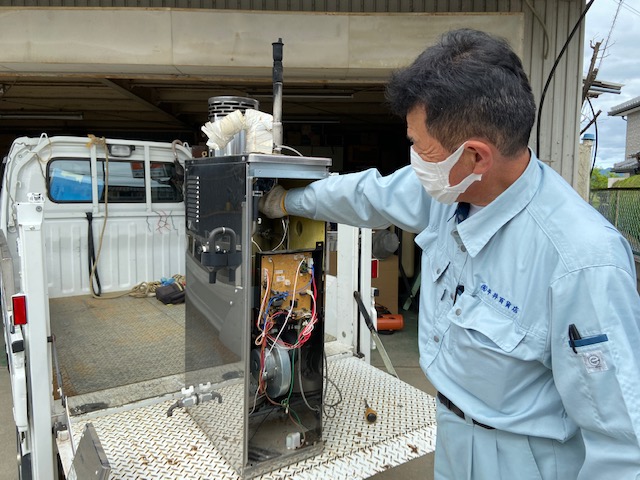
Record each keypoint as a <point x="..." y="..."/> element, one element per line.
<point x="271" y="317"/>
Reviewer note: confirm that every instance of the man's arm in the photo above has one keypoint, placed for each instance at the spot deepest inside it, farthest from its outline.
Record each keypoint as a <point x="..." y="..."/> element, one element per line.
<point x="364" y="199"/>
<point x="596" y="367"/>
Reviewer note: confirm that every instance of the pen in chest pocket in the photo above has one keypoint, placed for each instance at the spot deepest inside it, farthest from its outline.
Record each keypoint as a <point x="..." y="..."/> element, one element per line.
<point x="459" y="291"/>
<point x="574" y="335"/>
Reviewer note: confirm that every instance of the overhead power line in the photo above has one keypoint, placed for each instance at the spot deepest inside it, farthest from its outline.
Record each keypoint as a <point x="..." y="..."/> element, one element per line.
<point x="606" y="42"/>
<point x="553" y="70"/>
<point x="629" y="8"/>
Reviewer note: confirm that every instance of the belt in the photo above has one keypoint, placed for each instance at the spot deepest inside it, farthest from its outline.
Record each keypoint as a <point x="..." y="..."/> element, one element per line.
<point x="455" y="409"/>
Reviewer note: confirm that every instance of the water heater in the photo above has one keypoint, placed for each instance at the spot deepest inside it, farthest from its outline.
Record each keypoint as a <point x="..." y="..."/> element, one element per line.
<point x="254" y="311"/>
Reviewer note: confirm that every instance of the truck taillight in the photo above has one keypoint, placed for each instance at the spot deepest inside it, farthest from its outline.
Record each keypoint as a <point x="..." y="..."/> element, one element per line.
<point x="19" y="309"/>
<point x="375" y="264"/>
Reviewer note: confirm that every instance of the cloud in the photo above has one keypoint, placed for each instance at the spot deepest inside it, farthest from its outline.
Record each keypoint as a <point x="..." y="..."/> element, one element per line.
<point x="618" y="65"/>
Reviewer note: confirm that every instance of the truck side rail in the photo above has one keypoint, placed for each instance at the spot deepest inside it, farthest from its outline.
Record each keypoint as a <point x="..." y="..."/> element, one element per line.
<point x="14" y="339"/>
<point x="8" y="283"/>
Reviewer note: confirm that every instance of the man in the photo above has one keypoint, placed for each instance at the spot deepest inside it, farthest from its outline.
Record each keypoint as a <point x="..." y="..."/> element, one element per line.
<point x="529" y="315"/>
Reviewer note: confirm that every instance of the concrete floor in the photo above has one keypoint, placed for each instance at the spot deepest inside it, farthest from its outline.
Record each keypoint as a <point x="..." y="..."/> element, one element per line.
<point x="402" y="348"/>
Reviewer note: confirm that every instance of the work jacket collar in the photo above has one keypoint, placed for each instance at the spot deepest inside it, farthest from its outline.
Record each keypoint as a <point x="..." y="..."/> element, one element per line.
<point x="476" y="231"/>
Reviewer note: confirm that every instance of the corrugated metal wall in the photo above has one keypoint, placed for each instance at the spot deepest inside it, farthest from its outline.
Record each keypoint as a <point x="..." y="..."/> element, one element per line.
<point x="360" y="6"/>
<point x="546" y="30"/>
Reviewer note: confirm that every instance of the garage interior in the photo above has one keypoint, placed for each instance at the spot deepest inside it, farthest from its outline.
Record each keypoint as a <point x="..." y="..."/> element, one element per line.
<point x="349" y="123"/>
<point x="65" y="72"/>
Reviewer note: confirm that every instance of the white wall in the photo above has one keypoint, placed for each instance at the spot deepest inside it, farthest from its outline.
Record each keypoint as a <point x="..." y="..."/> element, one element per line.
<point x="633" y="134"/>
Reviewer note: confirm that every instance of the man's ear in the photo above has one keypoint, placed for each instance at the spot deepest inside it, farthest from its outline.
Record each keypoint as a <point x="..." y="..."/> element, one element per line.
<point x="483" y="155"/>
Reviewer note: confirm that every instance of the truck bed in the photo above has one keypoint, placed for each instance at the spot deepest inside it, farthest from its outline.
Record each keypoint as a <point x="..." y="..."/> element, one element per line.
<point x="122" y="363"/>
<point x="141" y="441"/>
<point x="106" y="343"/>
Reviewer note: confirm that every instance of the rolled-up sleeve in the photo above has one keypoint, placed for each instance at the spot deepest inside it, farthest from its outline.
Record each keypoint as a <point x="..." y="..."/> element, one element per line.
<point x="364" y="199"/>
<point x="598" y="375"/>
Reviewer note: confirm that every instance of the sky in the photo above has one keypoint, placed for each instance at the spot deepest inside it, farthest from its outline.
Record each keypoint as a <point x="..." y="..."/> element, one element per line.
<point x="619" y="64"/>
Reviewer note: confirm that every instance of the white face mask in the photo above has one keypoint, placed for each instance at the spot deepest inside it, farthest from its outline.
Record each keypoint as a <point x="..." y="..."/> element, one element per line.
<point x="435" y="176"/>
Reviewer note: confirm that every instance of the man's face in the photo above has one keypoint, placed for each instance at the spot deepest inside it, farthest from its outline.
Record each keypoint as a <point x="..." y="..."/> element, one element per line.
<point x="430" y="149"/>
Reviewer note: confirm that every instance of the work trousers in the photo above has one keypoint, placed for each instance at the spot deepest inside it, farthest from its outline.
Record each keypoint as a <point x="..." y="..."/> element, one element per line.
<point x="465" y="451"/>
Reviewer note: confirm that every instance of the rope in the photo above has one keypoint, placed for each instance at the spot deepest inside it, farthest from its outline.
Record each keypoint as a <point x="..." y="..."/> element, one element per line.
<point x="143" y="289"/>
<point x="93" y="140"/>
<point x="148" y="289"/>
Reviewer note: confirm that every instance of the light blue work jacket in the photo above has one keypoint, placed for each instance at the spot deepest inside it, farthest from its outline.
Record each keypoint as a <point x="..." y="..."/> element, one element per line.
<point x="534" y="261"/>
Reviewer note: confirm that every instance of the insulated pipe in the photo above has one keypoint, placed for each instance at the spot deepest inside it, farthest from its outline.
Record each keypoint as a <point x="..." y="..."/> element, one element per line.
<point x="277" y="96"/>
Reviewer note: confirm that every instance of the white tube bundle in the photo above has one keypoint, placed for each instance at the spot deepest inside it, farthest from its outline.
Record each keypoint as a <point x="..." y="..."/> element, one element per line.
<point x="258" y="126"/>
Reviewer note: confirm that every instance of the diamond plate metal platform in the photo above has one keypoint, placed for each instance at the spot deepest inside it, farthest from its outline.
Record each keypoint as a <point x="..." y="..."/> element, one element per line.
<point x="144" y="443"/>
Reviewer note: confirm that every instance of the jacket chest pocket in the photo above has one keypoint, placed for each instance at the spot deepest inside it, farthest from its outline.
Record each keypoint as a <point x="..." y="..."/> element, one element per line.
<point x="479" y="328"/>
<point x="488" y="354"/>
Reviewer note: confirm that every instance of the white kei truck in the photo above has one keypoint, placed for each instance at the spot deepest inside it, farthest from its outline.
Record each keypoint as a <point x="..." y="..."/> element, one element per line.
<point x="97" y="364"/>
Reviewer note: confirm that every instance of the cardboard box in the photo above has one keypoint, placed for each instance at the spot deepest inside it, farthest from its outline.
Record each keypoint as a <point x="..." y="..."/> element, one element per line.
<point x="387" y="283"/>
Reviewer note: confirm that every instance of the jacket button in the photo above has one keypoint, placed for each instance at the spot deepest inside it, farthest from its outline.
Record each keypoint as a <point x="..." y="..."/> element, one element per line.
<point x="458" y="311"/>
<point x="436" y="338"/>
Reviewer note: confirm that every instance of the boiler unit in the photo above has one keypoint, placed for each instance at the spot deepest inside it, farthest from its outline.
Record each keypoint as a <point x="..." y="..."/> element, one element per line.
<point x="254" y="311"/>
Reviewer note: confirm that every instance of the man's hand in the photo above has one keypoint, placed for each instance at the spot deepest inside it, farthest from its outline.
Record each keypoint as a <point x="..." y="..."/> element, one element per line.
<point x="272" y="204"/>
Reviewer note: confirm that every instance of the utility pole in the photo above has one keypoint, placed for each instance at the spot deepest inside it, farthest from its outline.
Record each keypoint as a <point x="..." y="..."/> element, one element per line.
<point x="593" y="71"/>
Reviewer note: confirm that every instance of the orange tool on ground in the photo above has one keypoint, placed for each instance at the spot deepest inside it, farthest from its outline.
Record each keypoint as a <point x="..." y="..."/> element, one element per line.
<point x="387" y="321"/>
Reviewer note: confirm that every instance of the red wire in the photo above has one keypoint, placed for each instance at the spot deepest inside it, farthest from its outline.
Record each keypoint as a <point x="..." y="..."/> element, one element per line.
<point x="304" y="336"/>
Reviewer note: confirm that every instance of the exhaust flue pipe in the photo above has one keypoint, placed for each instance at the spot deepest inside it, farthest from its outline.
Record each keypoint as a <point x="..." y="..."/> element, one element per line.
<point x="277" y="96"/>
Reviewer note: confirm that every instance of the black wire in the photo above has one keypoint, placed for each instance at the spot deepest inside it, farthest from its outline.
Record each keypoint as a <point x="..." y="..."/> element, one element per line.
<point x="92" y="258"/>
<point x="595" y="143"/>
<point x="325" y="405"/>
<point x="553" y="71"/>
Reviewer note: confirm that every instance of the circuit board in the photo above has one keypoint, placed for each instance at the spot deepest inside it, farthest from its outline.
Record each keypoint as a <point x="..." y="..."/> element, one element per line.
<point x="289" y="278"/>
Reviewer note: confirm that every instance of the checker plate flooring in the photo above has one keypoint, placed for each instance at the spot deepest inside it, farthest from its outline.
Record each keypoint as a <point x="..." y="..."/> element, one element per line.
<point x="143" y="443"/>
